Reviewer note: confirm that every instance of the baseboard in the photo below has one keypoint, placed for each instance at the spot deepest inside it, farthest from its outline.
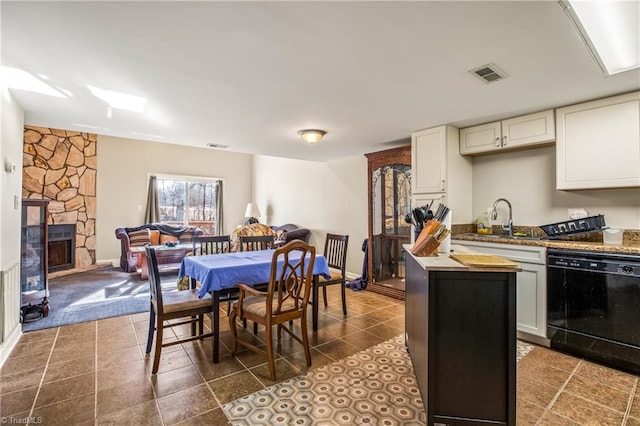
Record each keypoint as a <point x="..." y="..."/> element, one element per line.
<point x="112" y="262"/>
<point x="386" y="291"/>
<point x="11" y="341"/>
<point x="537" y="340"/>
<point x="350" y="276"/>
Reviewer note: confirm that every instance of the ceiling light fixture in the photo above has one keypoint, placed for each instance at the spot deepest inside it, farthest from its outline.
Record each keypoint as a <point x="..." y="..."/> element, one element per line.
<point x="609" y="30"/>
<point x="311" y="136"/>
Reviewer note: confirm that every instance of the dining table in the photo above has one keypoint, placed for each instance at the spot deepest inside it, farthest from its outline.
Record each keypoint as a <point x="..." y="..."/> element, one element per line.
<point x="218" y="275"/>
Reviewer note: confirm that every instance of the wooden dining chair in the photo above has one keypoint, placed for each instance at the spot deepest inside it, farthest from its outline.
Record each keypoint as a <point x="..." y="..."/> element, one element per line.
<point x="211" y="244"/>
<point x="172" y="305"/>
<point x="256" y="242"/>
<point x="284" y="300"/>
<point x="335" y="251"/>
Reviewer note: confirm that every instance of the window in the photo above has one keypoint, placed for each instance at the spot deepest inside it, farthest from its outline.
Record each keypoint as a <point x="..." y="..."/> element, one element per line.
<point x="189" y="201"/>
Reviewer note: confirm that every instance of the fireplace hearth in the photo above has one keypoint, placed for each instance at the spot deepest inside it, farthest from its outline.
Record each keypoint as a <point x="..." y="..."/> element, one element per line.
<point x="61" y="247"/>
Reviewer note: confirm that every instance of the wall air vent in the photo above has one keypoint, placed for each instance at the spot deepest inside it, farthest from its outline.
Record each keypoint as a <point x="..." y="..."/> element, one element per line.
<point x="489" y="73"/>
<point x="217" y="145"/>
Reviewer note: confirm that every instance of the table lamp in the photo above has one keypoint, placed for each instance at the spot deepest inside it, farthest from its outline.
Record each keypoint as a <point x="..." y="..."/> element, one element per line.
<point x="251" y="213"/>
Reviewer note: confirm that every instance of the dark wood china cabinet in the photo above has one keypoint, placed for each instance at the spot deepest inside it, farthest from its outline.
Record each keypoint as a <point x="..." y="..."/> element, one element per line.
<point x="389" y="181"/>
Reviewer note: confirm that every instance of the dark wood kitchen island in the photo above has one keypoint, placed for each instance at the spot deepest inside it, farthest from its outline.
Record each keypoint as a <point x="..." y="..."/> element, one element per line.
<point x="461" y="338"/>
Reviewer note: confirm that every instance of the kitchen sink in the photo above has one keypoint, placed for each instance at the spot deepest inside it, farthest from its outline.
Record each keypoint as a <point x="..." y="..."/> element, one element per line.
<point x="498" y="236"/>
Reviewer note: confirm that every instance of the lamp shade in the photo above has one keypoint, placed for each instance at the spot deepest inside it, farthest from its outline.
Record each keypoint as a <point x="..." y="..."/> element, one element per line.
<point x="311" y="135"/>
<point x="252" y="211"/>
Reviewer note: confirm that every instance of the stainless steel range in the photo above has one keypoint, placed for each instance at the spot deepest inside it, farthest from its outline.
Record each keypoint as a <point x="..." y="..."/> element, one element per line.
<point x="593" y="306"/>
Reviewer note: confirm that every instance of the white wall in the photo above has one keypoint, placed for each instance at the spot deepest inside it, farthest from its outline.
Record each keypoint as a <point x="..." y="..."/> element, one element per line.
<point x="11" y="150"/>
<point x="324" y="197"/>
<point x="11" y="136"/>
<point x="123" y="166"/>
<point x="527" y="179"/>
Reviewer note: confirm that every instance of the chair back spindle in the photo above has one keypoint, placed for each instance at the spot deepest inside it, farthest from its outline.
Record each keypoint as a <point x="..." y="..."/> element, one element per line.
<point x="211" y="244"/>
<point x="256" y="242"/>
<point x="335" y="250"/>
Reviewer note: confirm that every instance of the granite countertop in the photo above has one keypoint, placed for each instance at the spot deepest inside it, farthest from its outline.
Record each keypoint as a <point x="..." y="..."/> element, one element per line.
<point x="592" y="242"/>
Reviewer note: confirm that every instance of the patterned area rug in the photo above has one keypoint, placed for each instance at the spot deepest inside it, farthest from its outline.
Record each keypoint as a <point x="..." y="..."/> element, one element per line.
<point x="375" y="386"/>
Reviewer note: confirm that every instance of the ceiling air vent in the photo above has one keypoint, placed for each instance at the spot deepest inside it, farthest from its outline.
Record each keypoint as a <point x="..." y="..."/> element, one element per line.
<point x="489" y="73"/>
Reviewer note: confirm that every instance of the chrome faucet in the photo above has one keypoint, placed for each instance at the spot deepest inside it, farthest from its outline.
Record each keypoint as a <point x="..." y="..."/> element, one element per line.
<point x="494" y="215"/>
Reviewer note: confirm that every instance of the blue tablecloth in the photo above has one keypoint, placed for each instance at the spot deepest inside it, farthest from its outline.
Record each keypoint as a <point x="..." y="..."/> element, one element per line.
<point x="220" y="271"/>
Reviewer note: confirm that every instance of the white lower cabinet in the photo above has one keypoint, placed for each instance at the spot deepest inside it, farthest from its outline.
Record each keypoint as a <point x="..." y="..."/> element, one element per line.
<point x="531" y="297"/>
<point x="531" y="290"/>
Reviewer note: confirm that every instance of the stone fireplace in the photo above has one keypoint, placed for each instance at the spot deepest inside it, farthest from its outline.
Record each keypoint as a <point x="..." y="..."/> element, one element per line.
<point x="61" y="166"/>
<point x="61" y="247"/>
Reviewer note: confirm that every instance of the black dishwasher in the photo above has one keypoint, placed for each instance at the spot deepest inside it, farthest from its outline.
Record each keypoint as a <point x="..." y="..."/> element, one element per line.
<point x="593" y="306"/>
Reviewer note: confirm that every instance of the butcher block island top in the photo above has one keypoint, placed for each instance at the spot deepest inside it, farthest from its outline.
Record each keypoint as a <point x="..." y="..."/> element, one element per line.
<point x="465" y="259"/>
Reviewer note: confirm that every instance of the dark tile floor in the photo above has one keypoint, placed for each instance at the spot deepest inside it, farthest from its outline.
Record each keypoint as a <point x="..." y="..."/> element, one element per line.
<point x="96" y="373"/>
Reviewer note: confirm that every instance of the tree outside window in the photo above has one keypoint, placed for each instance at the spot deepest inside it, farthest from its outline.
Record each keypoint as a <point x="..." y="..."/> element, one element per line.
<point x="188" y="202"/>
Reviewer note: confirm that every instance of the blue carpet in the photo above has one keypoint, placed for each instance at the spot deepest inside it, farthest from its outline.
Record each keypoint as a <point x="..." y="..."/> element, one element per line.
<point x="96" y="294"/>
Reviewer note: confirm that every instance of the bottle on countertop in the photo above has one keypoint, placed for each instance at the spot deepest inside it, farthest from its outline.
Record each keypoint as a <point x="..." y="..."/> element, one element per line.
<point x="484" y="222"/>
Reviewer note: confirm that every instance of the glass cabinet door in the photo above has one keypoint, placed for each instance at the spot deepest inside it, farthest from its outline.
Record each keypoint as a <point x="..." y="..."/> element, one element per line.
<point x="391" y="193"/>
<point x="33" y="271"/>
<point x="389" y="176"/>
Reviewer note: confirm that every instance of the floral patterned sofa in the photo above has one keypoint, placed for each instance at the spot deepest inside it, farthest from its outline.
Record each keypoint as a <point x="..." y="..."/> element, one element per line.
<point x="288" y="232"/>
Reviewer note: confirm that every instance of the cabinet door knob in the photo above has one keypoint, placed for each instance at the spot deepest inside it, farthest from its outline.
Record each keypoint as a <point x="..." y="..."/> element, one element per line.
<point x="497" y="142"/>
<point x="442" y="185"/>
<point x="504" y="141"/>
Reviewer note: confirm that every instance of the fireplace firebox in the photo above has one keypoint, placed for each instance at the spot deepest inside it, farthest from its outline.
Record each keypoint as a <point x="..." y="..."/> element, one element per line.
<point x="61" y="247"/>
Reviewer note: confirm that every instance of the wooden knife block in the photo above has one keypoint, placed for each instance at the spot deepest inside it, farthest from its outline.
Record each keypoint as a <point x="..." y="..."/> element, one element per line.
<point x="426" y="244"/>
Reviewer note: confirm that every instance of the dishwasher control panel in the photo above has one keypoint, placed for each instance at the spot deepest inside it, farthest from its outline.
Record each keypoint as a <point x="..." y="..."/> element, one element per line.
<point x="621" y="265"/>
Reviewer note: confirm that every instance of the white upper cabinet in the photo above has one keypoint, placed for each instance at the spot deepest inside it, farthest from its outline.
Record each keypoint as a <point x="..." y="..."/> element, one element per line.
<point x="439" y="172"/>
<point x="481" y="139"/>
<point x="598" y="144"/>
<point x="429" y="160"/>
<point x="531" y="129"/>
<point x="514" y="133"/>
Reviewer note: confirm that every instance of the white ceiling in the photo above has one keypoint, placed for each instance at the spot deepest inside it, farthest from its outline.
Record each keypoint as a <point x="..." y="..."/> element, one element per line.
<point x="251" y="74"/>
